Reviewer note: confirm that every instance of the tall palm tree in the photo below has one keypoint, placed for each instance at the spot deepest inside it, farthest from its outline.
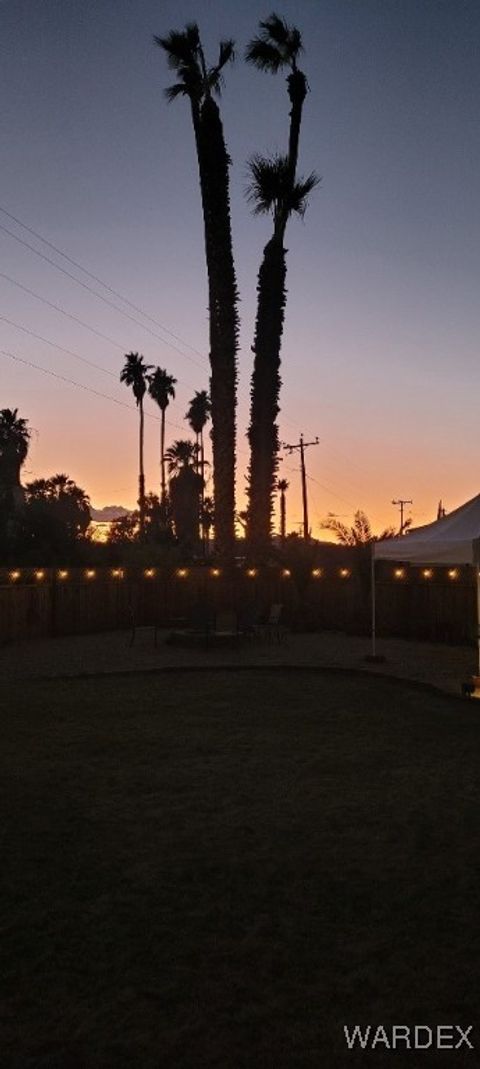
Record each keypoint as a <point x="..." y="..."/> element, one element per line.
<point x="161" y="387"/>
<point x="282" y="486"/>
<point x="269" y="191"/>
<point x="198" y="415"/>
<point x="278" y="46"/>
<point x="135" y="374"/>
<point x="14" y="443"/>
<point x="274" y="187"/>
<point x="200" y="83"/>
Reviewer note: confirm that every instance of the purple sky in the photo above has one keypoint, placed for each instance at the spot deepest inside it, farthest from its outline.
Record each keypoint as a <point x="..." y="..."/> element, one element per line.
<point x="380" y="349"/>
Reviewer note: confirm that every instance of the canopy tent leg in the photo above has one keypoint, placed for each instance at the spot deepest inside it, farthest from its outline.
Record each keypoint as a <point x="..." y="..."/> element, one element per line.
<point x="374" y="621"/>
<point x="373" y="656"/>
<point x="477" y="575"/>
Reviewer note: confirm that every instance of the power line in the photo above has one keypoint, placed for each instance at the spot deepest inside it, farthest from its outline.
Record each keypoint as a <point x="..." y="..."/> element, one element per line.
<point x="61" y="348"/>
<point x="124" y="404"/>
<point x="58" y="308"/>
<point x="100" y="281"/>
<point x="81" y="386"/>
<point x="111" y="304"/>
<point x="99" y="296"/>
<point x="106" y="286"/>
<point x="70" y="352"/>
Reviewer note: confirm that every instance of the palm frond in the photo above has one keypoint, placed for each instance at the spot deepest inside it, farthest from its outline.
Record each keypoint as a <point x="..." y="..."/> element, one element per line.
<point x="296" y="44"/>
<point x="214" y="75"/>
<point x="263" y="55"/>
<point x="278" y="45"/>
<point x="297" y="200"/>
<point x="174" y="91"/>
<point x="268" y="182"/>
<point x="276" y="29"/>
<point x="180" y="45"/>
<point x="226" y="53"/>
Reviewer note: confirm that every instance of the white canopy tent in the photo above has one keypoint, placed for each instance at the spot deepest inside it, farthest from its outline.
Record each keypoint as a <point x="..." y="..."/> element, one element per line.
<point x="454" y="539"/>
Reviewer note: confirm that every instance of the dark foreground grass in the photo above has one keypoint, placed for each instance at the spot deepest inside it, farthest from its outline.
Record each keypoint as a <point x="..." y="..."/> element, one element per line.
<point x="221" y="870"/>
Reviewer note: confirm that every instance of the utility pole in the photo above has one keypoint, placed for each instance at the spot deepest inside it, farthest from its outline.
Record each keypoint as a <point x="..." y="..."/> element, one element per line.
<point x="401" y="503"/>
<point x="302" y="446"/>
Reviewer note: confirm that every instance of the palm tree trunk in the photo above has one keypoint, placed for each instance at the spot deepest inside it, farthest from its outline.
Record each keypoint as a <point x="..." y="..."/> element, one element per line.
<point x="141" y="476"/>
<point x="202" y="491"/>
<point x="297" y="91"/>
<point x="265" y="391"/>
<point x="283" y="516"/>
<point x="162" y="457"/>
<point x="223" y="297"/>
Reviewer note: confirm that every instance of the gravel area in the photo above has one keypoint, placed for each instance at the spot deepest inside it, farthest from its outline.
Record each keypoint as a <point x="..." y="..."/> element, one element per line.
<point x="445" y="667"/>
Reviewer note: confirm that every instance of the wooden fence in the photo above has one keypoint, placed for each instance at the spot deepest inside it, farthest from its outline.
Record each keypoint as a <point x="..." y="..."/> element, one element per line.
<point x="435" y="604"/>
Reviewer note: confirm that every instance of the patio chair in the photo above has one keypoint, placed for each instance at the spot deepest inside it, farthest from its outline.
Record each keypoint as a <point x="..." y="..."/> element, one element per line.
<point x="273" y="626"/>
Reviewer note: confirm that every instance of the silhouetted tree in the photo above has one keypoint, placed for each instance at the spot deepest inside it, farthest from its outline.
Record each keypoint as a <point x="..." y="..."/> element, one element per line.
<point x="56" y="517"/>
<point x="200" y="83"/>
<point x="161" y="388"/>
<point x="135" y="374"/>
<point x="207" y="519"/>
<point x="269" y="191"/>
<point x="274" y="188"/>
<point x="14" y="443"/>
<point x="359" y="534"/>
<point x="198" y="415"/>
<point x="185" y="489"/>
<point x="282" y="486"/>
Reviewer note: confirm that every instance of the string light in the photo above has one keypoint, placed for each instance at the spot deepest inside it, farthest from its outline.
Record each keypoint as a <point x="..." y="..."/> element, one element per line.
<point x="182" y="573"/>
<point x="90" y="573"/>
<point x="63" y="574"/>
<point x="427" y="573"/>
<point x="453" y="573"/>
<point x="117" y="573"/>
<point x="399" y="573"/>
<point x="345" y="573"/>
<point x="40" y="575"/>
<point x="317" y="573"/>
<point x="14" y="576"/>
<point x="149" y="573"/>
<point x="286" y="573"/>
<point x="252" y="573"/>
<point x="215" y="572"/>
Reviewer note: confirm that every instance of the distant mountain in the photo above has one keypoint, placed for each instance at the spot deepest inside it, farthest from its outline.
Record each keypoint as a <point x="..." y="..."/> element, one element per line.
<point x="109" y="513"/>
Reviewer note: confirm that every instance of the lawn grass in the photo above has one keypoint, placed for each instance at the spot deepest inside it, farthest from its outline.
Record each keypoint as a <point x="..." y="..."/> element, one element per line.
<point x="222" y="869"/>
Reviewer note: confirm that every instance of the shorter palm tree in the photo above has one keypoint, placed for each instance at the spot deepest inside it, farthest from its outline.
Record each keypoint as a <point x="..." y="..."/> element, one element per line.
<point x="198" y="415"/>
<point x="14" y="443"/>
<point x="185" y="488"/>
<point x="161" y="388"/>
<point x="182" y="454"/>
<point x="135" y="374"/>
<point x="282" y="486"/>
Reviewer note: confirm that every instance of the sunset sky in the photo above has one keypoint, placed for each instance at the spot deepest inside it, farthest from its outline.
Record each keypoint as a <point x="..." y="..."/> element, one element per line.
<point x="380" y="353"/>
